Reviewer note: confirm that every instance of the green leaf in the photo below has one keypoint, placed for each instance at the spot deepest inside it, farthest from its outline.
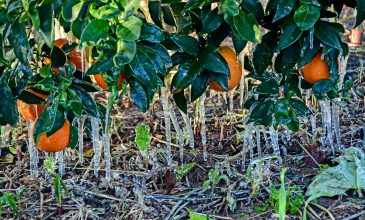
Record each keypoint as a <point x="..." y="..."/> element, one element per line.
<point x="186" y="44"/>
<point x="229" y="7"/>
<point x="59" y="121"/>
<point x="101" y="65"/>
<point x="263" y="53"/>
<point x="220" y="79"/>
<point x="46" y="17"/>
<point x="261" y="112"/>
<point x="284" y="7"/>
<point x="269" y="87"/>
<point x="58" y="57"/>
<point x="360" y="12"/>
<point x="154" y="7"/>
<point x="328" y="33"/>
<point x="308" y="53"/>
<point x="212" y="21"/>
<point x="282" y="195"/>
<point x="198" y="216"/>
<point x="306" y="16"/>
<point x="321" y="88"/>
<point x="180" y="101"/>
<point x="126" y="50"/>
<point x="247" y="27"/>
<point x="184" y="169"/>
<point x="290" y="34"/>
<point x="19" y="41"/>
<point x="130" y="7"/>
<point x="105" y="12"/>
<point x="8" y="109"/>
<point x="46" y="120"/>
<point x="286" y="60"/>
<point x="143" y="137"/>
<point x="74" y="137"/>
<point x="89" y="105"/>
<point x="141" y="67"/>
<point x="214" y="62"/>
<point x="129" y="30"/>
<point x="77" y="26"/>
<point x="139" y="95"/>
<point x="199" y="86"/>
<point x="162" y="52"/>
<point x="254" y="7"/>
<point x="94" y="31"/>
<point x="238" y="42"/>
<point x="193" y="4"/>
<point x="186" y="74"/>
<point x="299" y="107"/>
<point x="151" y="33"/>
<point x="9" y="199"/>
<point x="71" y="10"/>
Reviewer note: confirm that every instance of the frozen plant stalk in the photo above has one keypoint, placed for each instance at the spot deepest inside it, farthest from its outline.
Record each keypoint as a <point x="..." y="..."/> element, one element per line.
<point x="179" y="134"/>
<point x="166" y="114"/>
<point x="33" y="152"/>
<point x="275" y="142"/>
<point x="327" y="124"/>
<point x="336" y="124"/>
<point x="95" y="129"/>
<point x="106" y="143"/>
<point x="203" y="127"/>
<point x="80" y="128"/>
<point x="188" y="128"/>
<point x="61" y="163"/>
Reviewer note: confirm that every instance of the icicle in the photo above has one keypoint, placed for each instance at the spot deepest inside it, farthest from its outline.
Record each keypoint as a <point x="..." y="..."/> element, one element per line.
<point x="203" y="127"/>
<point x="244" y="151"/>
<point x="188" y="128"/>
<point x="313" y="122"/>
<point x="265" y="134"/>
<point x="165" y="106"/>
<point x="336" y="124"/>
<point x="287" y="134"/>
<point x="179" y="134"/>
<point x="61" y="163"/>
<point x="274" y="142"/>
<point x="285" y="139"/>
<point x="224" y="95"/>
<point x="258" y="139"/>
<point x="326" y="123"/>
<point x="311" y="33"/>
<point x="242" y="81"/>
<point x="248" y="134"/>
<point x="33" y="151"/>
<point x="231" y="106"/>
<point x="95" y="127"/>
<point x="139" y="183"/>
<point x="106" y="143"/>
<point x="81" y="138"/>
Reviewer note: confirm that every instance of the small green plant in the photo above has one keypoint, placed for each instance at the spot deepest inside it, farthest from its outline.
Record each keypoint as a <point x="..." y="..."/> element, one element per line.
<point x="184" y="169"/>
<point x="11" y="199"/>
<point x="58" y="184"/>
<point x="215" y="176"/>
<point x="197" y="216"/>
<point x="143" y="136"/>
<point x="261" y="208"/>
<point x="286" y="200"/>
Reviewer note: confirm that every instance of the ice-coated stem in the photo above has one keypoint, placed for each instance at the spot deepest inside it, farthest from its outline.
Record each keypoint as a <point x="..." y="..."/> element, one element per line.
<point x="203" y="126"/>
<point x="313" y="119"/>
<point x="231" y="106"/>
<point x="80" y="128"/>
<point x="95" y="129"/>
<point x="327" y="124"/>
<point x="274" y="142"/>
<point x="249" y="138"/>
<point x="61" y="163"/>
<point x="258" y="139"/>
<point x="106" y="143"/>
<point x="265" y="135"/>
<point x="166" y="114"/>
<point x="179" y="134"/>
<point x="336" y="124"/>
<point x="33" y="151"/>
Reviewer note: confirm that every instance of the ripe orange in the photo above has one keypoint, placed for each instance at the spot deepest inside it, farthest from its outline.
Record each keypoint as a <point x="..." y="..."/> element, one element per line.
<point x="101" y="82"/>
<point x="315" y="70"/>
<point x="73" y="56"/>
<point x="31" y="111"/>
<point x="235" y="69"/>
<point x="57" y="141"/>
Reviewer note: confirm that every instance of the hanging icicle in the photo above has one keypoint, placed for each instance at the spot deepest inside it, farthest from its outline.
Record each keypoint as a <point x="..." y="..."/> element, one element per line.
<point x="166" y="114"/>
<point x="326" y="123"/>
<point x="95" y="128"/>
<point x="258" y="139"/>
<point x="311" y="37"/>
<point x="203" y="126"/>
<point x="106" y="143"/>
<point x="336" y="125"/>
<point x="33" y="151"/>
<point x="188" y="128"/>
<point x="313" y="120"/>
<point x="275" y="142"/>
<point x="80" y="128"/>
<point x="249" y="138"/>
<point x="179" y="134"/>
<point x="231" y="106"/>
<point x="61" y="163"/>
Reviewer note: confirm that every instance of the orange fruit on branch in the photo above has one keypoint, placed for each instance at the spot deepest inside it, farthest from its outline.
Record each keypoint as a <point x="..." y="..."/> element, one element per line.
<point x="104" y="85"/>
<point x="55" y="142"/>
<point x="235" y="69"/>
<point x="315" y="70"/>
<point x="31" y="111"/>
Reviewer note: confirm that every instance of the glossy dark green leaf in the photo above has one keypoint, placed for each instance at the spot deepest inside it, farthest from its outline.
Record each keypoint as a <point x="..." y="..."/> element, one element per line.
<point x="105" y="12"/>
<point x="261" y="113"/>
<point x="328" y="33"/>
<point x="307" y="53"/>
<point x="199" y="86"/>
<point x="139" y="95"/>
<point x="155" y="10"/>
<point x="254" y="7"/>
<point x="186" y="74"/>
<point x="89" y="105"/>
<point x="59" y="121"/>
<point x="151" y="33"/>
<point x="89" y="87"/>
<point x="187" y="44"/>
<point x="220" y="79"/>
<point x="284" y="7"/>
<point x="156" y="60"/>
<point x="130" y="7"/>
<point x="46" y="120"/>
<point x="181" y="101"/>
<point x="97" y="29"/>
<point x="247" y="27"/>
<point x="100" y="66"/>
<point x="162" y="52"/>
<point x="58" y="57"/>
<point x="46" y="17"/>
<point x="263" y="53"/>
<point x="216" y="37"/>
<point x="286" y="60"/>
<point x="192" y="4"/>
<point x="290" y="34"/>
<point x="19" y="41"/>
<point x="321" y="88"/>
<point x="306" y="16"/>
<point x="238" y="42"/>
<point x="269" y="87"/>
<point x="299" y="107"/>
<point x="229" y="7"/>
<point x="141" y="68"/>
<point x="74" y="137"/>
<point x="77" y="26"/>
<point x="71" y="10"/>
<point x="214" y="62"/>
<point x="8" y="109"/>
<point x="212" y="21"/>
<point x="360" y="12"/>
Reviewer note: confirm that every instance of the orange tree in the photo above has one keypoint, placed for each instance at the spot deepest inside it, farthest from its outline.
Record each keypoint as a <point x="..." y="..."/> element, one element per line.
<point x="146" y="43"/>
